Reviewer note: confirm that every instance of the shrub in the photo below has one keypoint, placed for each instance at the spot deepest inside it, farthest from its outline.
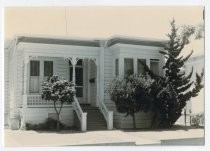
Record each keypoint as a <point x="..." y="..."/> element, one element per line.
<point x="197" y="120"/>
<point x="131" y="94"/>
<point x="49" y="124"/>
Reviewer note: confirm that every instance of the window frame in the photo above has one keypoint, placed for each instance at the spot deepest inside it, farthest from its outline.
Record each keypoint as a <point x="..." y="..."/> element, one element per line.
<point x="155" y="61"/>
<point x="32" y="76"/>
<point x="41" y="76"/>
<point x="137" y="70"/>
<point x="44" y="67"/>
<point x="31" y="66"/>
<point x="133" y="68"/>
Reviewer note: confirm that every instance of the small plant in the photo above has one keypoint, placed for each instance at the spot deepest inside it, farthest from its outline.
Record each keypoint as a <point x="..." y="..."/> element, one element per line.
<point x="197" y="120"/>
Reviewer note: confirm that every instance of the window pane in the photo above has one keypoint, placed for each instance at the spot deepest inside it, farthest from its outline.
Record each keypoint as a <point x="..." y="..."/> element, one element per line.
<point x="154" y="66"/>
<point x="79" y="91"/>
<point x="48" y="68"/>
<point x="79" y="76"/>
<point x="140" y="67"/>
<point x="34" y="84"/>
<point x="117" y="67"/>
<point x="128" y="67"/>
<point x="34" y="68"/>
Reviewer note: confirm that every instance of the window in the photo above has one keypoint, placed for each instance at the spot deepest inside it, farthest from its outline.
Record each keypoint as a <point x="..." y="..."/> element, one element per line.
<point x="128" y="67"/>
<point x="78" y="76"/>
<point x="117" y="67"/>
<point x="34" y="68"/>
<point x="154" y="66"/>
<point x="34" y="76"/>
<point x="48" y="68"/>
<point x="140" y="67"/>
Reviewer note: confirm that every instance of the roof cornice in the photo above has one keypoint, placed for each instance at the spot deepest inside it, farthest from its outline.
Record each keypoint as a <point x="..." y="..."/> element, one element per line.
<point x="92" y="42"/>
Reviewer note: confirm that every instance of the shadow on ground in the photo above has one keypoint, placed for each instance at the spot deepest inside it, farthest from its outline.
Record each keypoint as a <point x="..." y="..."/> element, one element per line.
<point x="174" y="128"/>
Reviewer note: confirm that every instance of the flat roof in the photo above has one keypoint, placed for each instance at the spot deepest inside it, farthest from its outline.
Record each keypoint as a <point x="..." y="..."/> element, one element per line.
<point x="92" y="42"/>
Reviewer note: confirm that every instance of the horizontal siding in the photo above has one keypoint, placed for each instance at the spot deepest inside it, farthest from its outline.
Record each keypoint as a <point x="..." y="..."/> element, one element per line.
<point x="93" y="87"/>
<point x="108" y="76"/>
<point x="19" y="86"/>
<point x="62" y="68"/>
<point x="143" y="120"/>
<point x="39" y="115"/>
<point x="6" y="87"/>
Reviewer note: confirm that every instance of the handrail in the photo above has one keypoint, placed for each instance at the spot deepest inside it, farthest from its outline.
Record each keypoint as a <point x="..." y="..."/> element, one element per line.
<point x="81" y="115"/>
<point x="108" y="115"/>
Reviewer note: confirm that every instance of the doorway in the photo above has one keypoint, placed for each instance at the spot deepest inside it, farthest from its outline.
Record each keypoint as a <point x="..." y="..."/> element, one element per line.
<point x="85" y="80"/>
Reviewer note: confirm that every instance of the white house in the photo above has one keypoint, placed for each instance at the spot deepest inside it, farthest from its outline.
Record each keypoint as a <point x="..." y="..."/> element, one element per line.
<point x="196" y="105"/>
<point x="90" y="63"/>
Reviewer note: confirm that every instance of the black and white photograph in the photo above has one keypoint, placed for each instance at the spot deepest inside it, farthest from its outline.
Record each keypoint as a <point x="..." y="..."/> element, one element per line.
<point x="104" y="76"/>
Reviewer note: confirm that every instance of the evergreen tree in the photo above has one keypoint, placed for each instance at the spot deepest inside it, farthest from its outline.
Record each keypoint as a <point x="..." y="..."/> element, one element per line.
<point x="172" y="91"/>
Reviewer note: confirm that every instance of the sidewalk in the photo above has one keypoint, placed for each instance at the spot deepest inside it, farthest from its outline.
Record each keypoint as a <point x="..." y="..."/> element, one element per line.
<point x="107" y="138"/>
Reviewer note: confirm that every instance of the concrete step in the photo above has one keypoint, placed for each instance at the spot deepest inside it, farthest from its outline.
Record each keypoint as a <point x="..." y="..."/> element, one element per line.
<point x="95" y="119"/>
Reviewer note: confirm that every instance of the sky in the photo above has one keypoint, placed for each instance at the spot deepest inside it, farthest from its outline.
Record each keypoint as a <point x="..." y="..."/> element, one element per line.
<point x="101" y="21"/>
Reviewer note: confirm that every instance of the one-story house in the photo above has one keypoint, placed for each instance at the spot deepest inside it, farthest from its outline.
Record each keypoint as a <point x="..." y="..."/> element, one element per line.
<point x="91" y="63"/>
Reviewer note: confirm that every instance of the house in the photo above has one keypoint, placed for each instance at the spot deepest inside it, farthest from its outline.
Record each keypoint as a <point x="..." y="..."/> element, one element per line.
<point x="196" y="105"/>
<point x="91" y="63"/>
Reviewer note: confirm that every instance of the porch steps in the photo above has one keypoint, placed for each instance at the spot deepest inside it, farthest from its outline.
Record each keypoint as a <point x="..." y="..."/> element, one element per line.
<point x="95" y="119"/>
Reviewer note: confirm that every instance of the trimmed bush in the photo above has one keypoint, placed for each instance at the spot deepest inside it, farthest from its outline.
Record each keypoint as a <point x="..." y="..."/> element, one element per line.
<point x="49" y="124"/>
<point x="197" y="120"/>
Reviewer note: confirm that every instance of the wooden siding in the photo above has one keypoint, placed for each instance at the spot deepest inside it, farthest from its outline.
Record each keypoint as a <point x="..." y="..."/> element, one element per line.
<point x="19" y="78"/>
<point x="62" y="68"/>
<point x="6" y="86"/>
<point x="39" y="115"/>
<point x="143" y="120"/>
<point x="93" y="85"/>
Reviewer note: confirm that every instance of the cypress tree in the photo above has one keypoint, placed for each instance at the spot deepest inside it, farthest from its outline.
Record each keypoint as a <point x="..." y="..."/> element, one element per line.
<point x="172" y="91"/>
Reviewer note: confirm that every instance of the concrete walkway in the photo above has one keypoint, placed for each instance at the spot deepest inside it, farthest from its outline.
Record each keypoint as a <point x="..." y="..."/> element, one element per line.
<point x="107" y="138"/>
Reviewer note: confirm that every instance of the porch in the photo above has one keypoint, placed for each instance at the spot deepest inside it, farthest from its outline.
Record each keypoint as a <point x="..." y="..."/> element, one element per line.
<point x="83" y="70"/>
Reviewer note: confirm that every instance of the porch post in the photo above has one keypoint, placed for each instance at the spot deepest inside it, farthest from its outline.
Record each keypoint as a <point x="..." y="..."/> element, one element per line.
<point x="101" y="72"/>
<point x="14" y="112"/>
<point x="135" y="66"/>
<point x="148" y="62"/>
<point x="121" y="66"/>
<point x="25" y="92"/>
<point x="97" y="82"/>
<point x="73" y="62"/>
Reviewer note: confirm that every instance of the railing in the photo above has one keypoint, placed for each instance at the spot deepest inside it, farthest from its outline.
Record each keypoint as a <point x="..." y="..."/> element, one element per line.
<point x="81" y="115"/>
<point x="108" y="115"/>
<point x="36" y="100"/>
